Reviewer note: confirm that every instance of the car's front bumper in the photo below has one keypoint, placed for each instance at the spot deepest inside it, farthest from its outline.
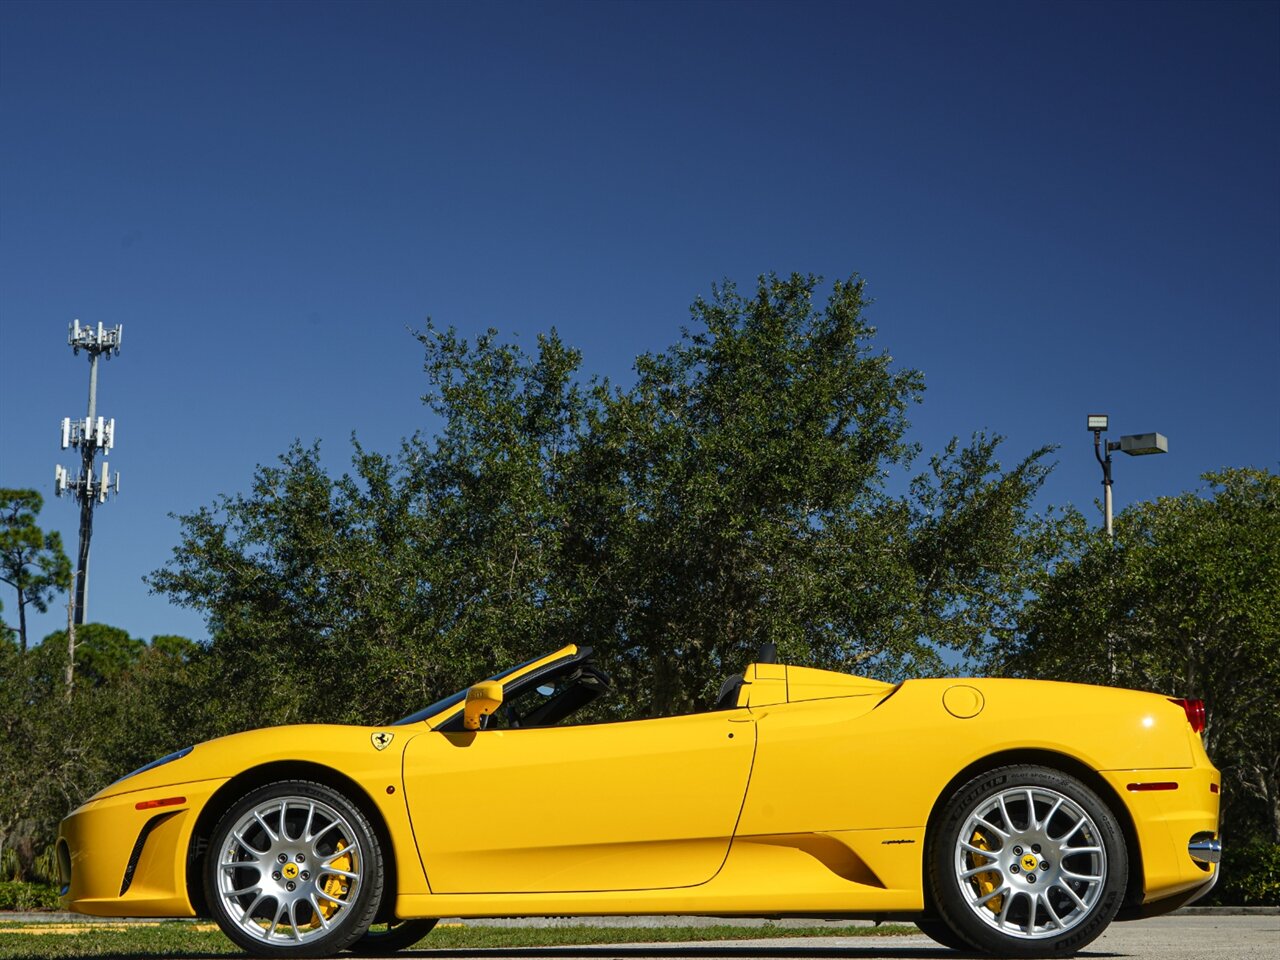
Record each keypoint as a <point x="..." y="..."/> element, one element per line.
<point x="123" y="856"/>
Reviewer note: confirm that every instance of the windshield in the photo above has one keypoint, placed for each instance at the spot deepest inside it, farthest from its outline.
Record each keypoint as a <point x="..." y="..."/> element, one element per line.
<point x="456" y="698"/>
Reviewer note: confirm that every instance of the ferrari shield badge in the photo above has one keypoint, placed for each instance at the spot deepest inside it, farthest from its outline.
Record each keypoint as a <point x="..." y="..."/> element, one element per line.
<point x="381" y="739"/>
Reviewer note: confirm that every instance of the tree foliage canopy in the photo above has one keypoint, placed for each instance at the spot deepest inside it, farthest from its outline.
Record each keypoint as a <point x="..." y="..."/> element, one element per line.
<point x="31" y="561"/>
<point x="752" y="485"/>
<point x="1185" y="601"/>
<point x="127" y="709"/>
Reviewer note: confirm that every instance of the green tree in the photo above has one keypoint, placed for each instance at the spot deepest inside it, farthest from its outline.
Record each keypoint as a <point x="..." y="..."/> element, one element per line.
<point x="174" y="647"/>
<point x="130" y="708"/>
<point x="358" y="597"/>
<point x="1185" y="601"/>
<point x="31" y="561"/>
<point x="739" y="492"/>
<point x="47" y="763"/>
<point x="104" y="653"/>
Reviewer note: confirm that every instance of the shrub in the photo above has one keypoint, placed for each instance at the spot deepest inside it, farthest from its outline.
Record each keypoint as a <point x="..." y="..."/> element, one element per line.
<point x="1250" y="875"/>
<point x="16" y="895"/>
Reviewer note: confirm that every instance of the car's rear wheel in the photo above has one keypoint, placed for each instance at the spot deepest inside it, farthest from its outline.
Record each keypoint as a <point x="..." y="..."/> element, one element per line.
<point x="293" y="870"/>
<point x="1027" y="861"/>
<point x="393" y="936"/>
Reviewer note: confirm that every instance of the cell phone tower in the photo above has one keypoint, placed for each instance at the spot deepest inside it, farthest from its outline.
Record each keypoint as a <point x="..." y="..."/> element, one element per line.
<point x="90" y="436"/>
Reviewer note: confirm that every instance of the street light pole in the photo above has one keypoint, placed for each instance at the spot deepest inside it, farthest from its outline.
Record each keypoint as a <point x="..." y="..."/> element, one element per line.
<point x="1105" y="463"/>
<point x="1135" y="445"/>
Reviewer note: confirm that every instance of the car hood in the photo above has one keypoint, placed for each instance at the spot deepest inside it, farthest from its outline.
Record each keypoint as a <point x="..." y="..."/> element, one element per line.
<point x="358" y="751"/>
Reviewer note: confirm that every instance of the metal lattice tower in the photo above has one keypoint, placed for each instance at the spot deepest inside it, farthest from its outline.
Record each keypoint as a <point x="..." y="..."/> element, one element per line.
<point x="89" y="436"/>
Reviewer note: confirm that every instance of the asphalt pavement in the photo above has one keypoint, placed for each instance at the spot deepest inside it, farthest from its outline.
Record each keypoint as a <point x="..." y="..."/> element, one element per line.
<point x="1208" y="934"/>
<point x="1216" y="936"/>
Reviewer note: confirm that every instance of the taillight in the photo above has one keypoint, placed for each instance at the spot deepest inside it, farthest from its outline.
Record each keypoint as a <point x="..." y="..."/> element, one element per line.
<point x="1194" y="710"/>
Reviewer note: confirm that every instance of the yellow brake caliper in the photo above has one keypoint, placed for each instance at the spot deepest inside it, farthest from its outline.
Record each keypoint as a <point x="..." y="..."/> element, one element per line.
<point x="334" y="886"/>
<point x="987" y="882"/>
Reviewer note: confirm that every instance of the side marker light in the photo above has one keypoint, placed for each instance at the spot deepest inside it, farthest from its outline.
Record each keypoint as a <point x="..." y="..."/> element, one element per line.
<point x="1157" y="785"/>
<point x="152" y="804"/>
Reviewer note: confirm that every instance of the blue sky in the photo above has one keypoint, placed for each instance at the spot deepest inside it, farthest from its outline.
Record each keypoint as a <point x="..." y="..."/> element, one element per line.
<point x="1060" y="208"/>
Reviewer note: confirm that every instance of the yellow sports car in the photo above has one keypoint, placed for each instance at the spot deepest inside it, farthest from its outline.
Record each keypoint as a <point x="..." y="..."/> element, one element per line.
<point x="1009" y="816"/>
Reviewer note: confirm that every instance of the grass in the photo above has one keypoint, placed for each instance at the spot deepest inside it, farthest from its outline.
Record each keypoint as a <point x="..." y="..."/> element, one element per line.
<point x="179" y="939"/>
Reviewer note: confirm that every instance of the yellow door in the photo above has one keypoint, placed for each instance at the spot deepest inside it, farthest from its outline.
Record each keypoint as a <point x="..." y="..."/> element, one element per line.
<point x="611" y="806"/>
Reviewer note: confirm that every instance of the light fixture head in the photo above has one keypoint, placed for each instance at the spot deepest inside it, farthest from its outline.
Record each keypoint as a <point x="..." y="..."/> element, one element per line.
<point x="1097" y="421"/>
<point x="1143" y="444"/>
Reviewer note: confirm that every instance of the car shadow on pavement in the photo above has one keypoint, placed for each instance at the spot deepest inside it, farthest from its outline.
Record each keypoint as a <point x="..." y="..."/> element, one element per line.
<point x="650" y="952"/>
<point x="884" y="947"/>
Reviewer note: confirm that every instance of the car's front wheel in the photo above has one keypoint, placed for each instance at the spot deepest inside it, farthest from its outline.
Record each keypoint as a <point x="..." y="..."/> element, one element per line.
<point x="1026" y="861"/>
<point x="293" y="870"/>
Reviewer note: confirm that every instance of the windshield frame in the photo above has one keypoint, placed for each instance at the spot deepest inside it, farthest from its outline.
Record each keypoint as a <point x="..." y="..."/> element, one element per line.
<point x="442" y="710"/>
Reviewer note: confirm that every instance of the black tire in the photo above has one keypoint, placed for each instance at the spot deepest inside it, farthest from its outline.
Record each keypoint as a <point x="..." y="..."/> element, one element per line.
<point x="326" y="890"/>
<point x="390" y="937"/>
<point x="1056" y="858"/>
<point x="939" y="932"/>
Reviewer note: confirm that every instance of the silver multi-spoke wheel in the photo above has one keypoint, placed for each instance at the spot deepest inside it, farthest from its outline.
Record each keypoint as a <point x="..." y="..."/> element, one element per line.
<point x="289" y="869"/>
<point x="1024" y="861"/>
<point x="293" y="870"/>
<point x="1030" y="862"/>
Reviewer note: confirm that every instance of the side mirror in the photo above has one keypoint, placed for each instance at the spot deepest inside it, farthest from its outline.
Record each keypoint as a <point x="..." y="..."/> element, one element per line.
<point x="482" y="700"/>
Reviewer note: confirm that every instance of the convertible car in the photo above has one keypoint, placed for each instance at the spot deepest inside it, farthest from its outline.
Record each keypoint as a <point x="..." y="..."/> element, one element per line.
<point x="1013" y="817"/>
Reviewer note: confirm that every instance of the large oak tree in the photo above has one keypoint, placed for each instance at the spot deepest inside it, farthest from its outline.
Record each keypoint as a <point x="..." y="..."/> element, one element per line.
<point x="753" y="484"/>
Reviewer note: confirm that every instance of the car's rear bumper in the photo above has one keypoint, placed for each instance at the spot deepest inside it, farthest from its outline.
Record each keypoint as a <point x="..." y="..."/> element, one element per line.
<point x="1158" y="908"/>
<point x="1175" y="816"/>
<point x="121" y="856"/>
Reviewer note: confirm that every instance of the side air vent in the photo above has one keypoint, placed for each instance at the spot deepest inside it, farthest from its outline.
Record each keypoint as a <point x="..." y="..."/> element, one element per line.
<point x="138" y="844"/>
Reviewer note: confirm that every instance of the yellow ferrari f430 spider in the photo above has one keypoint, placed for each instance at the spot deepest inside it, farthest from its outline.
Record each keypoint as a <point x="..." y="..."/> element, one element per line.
<point x="1013" y="817"/>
